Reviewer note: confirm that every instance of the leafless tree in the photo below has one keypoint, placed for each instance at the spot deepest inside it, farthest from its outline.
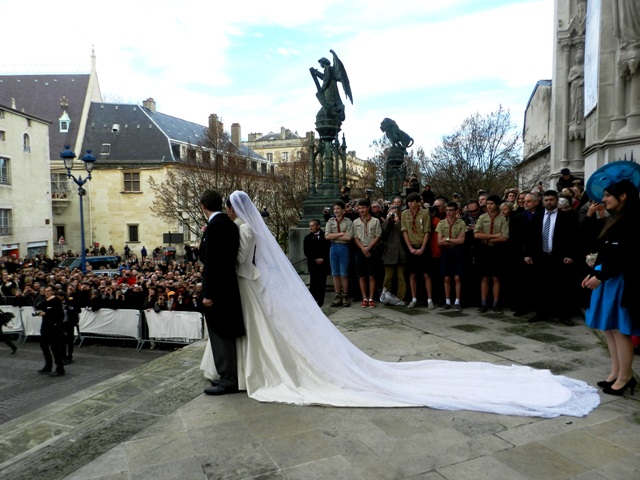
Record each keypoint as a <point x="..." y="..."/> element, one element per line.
<point x="215" y="164"/>
<point x="220" y="165"/>
<point x="482" y="153"/>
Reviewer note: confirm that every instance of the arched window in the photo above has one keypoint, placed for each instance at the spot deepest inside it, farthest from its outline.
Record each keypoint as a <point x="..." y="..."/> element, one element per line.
<point x="26" y="143"/>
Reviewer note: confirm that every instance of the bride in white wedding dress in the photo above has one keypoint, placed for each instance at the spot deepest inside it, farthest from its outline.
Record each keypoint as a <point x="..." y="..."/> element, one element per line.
<point x="294" y="354"/>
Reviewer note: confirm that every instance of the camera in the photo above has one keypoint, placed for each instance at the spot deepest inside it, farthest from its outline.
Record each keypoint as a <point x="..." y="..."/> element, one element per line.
<point x="35" y="313"/>
<point x="368" y="191"/>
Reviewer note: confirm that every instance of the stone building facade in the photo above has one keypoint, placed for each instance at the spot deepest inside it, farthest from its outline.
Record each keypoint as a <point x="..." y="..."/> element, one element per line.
<point x="287" y="146"/>
<point x="284" y="146"/>
<point x="131" y="143"/>
<point x="26" y="218"/>
<point x="594" y="113"/>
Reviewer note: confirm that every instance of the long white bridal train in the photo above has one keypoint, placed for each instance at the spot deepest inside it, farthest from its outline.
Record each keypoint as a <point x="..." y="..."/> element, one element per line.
<point x="294" y="354"/>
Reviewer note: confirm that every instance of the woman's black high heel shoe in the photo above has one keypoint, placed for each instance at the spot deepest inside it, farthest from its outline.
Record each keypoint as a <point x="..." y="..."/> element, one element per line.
<point x="606" y="383"/>
<point x="631" y="385"/>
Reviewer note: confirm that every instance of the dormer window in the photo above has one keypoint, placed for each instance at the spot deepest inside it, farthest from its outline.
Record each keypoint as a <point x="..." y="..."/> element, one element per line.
<point x="65" y="122"/>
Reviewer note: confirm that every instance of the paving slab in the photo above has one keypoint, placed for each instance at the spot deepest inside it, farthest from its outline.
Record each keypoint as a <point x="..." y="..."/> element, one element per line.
<point x="153" y="422"/>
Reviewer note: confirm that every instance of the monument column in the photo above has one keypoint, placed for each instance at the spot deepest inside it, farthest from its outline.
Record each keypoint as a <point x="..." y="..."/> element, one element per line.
<point x="629" y="61"/>
<point x="327" y="155"/>
<point x="566" y="53"/>
<point x="633" y="118"/>
<point x="619" y="120"/>
<point x="312" y="155"/>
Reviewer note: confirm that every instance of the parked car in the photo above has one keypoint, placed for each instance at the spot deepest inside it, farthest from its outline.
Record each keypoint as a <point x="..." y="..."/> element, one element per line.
<point x="99" y="262"/>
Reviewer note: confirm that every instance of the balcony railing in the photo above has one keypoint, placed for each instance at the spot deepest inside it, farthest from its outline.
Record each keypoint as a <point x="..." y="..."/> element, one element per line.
<point x="61" y="197"/>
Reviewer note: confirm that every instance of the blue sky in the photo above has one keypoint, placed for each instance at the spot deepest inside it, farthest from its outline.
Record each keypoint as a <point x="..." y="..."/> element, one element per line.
<point x="427" y="64"/>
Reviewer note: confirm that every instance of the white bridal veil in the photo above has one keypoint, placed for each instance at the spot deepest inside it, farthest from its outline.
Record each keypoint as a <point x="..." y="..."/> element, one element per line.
<point x="301" y="358"/>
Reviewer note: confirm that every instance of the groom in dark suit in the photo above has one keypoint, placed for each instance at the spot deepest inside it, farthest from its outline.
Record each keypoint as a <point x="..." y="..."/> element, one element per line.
<point x="220" y="292"/>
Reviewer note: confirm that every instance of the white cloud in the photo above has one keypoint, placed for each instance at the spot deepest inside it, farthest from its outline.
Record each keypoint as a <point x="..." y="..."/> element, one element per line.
<point x="400" y="57"/>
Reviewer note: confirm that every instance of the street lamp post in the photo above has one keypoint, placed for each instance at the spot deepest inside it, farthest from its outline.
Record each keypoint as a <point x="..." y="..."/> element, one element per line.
<point x="89" y="160"/>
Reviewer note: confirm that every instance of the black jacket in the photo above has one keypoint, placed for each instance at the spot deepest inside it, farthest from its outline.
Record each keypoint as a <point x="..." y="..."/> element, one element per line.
<point x="565" y="236"/>
<point x="219" y="253"/>
<point x="53" y="318"/>
<point x="316" y="248"/>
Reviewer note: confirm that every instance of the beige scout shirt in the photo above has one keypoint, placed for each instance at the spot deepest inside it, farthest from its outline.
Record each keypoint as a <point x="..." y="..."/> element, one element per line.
<point x="416" y="226"/>
<point x="345" y="225"/>
<point x="497" y="224"/>
<point x="451" y="231"/>
<point x="368" y="231"/>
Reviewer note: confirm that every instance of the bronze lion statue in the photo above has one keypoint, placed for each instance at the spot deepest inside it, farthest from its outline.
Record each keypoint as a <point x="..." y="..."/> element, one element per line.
<point x="397" y="137"/>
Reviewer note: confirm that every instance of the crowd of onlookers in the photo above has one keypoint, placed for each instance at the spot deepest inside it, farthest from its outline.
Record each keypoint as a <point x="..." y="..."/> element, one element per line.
<point x="153" y="283"/>
<point x="433" y="247"/>
<point x="421" y="247"/>
<point x="59" y="295"/>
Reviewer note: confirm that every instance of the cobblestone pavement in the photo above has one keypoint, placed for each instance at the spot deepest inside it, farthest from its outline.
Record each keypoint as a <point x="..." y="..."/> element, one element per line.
<point x="23" y="390"/>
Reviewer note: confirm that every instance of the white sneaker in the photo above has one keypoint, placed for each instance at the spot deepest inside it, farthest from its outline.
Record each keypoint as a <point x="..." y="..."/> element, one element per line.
<point x="383" y="297"/>
<point x="399" y="303"/>
<point x="412" y="304"/>
<point x="431" y="306"/>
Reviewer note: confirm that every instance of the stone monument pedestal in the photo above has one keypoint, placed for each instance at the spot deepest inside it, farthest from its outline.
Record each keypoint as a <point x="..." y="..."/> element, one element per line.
<point x="395" y="172"/>
<point x="296" y="249"/>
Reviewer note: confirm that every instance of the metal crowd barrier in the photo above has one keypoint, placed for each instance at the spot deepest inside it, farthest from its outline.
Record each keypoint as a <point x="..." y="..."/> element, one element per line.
<point x="124" y="324"/>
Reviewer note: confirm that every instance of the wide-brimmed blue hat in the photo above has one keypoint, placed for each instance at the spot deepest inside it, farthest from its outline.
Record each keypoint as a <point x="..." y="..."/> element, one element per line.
<point x="612" y="173"/>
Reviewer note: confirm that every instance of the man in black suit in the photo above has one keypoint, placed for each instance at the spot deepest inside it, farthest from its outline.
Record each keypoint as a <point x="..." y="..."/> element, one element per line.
<point x="524" y="273"/>
<point x="220" y="292"/>
<point x="316" y="249"/>
<point x="553" y="250"/>
<point x="51" y="334"/>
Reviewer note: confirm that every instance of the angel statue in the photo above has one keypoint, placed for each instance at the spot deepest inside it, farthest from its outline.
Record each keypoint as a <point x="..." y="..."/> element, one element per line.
<point x="328" y="94"/>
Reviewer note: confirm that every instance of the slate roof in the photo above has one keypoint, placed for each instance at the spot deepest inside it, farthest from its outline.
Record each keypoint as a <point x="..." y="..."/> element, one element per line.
<point x="137" y="135"/>
<point x="40" y="95"/>
<point x="143" y="135"/>
<point x="183" y="131"/>
<point x="7" y="108"/>
<point x="276" y="136"/>
<point x="130" y="133"/>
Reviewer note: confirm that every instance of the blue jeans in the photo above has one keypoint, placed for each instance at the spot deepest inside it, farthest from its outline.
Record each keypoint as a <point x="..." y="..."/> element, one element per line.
<point x="339" y="259"/>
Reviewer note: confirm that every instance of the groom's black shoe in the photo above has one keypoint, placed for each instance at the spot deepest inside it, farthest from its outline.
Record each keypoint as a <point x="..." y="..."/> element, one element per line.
<point x="221" y="390"/>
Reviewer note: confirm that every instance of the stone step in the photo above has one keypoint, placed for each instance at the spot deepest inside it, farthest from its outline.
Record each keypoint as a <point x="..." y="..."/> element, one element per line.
<point x="65" y="435"/>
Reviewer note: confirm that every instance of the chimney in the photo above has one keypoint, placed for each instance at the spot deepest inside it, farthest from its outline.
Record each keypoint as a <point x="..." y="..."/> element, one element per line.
<point x="149" y="103"/>
<point x="282" y="133"/>
<point x="235" y="134"/>
<point x="216" y="127"/>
